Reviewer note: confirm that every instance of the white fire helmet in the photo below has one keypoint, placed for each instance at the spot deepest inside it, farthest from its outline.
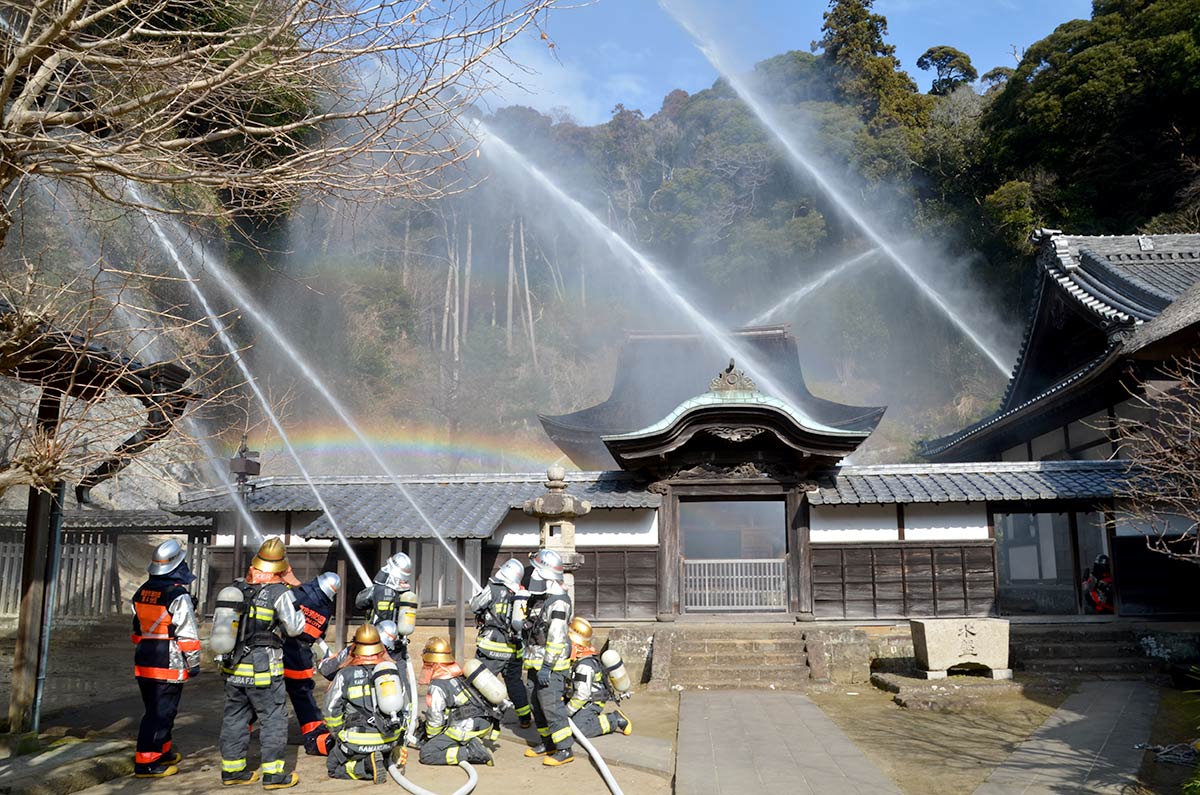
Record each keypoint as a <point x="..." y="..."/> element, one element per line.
<point x="167" y="557"/>
<point x="547" y="564"/>
<point x="399" y="567"/>
<point x="388" y="634"/>
<point x="329" y="583"/>
<point x="510" y="574"/>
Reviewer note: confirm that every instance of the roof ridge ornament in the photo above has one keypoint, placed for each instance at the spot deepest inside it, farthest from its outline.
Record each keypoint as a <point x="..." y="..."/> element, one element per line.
<point x="732" y="379"/>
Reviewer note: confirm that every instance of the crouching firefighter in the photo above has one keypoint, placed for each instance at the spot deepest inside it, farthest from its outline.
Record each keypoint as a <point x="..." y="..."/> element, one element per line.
<point x="590" y="689"/>
<point x="315" y="601"/>
<point x="461" y="708"/>
<point x="366" y="710"/>
<point x="499" y="645"/>
<point x="265" y="611"/>
<point x="548" y="657"/>
<point x="167" y="655"/>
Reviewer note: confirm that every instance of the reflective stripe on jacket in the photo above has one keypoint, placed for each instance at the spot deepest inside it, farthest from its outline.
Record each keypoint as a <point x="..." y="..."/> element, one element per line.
<point x="588" y="684"/>
<point x="546" y="641"/>
<point x="493" y="612"/>
<point x="165" y="631"/>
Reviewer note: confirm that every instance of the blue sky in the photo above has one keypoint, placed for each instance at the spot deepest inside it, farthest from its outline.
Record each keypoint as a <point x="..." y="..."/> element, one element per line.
<point x="631" y="51"/>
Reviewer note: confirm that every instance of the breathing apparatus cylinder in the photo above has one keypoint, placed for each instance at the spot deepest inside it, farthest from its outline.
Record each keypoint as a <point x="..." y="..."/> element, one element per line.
<point x="486" y="682"/>
<point x="520" y="611"/>
<point x="406" y="613"/>
<point x="226" y="619"/>
<point x="389" y="693"/>
<point x="615" y="669"/>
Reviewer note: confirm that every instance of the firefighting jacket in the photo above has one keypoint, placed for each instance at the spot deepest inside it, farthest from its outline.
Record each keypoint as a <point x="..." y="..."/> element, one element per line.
<point x="453" y="707"/>
<point x="350" y="712"/>
<point x="164" y="631"/>
<point x="545" y="632"/>
<point x="493" y="607"/>
<point x="381" y="600"/>
<point x="317" y="609"/>
<point x="588" y="685"/>
<point x="329" y="667"/>
<point x="269" y="613"/>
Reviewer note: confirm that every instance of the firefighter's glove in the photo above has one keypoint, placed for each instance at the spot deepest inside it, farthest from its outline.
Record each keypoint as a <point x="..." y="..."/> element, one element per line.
<point x="543" y="676"/>
<point x="193" y="672"/>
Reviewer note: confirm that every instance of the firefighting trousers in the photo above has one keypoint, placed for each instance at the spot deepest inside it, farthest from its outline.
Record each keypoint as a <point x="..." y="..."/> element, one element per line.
<point x="154" y="734"/>
<point x="312" y="723"/>
<point x="443" y="750"/>
<point x="267" y="706"/>
<point x="510" y="672"/>
<point x="344" y="763"/>
<point x="594" y="722"/>
<point x="549" y="711"/>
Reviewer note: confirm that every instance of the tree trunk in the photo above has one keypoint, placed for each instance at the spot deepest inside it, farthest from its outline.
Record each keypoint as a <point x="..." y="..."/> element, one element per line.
<point x="512" y="277"/>
<point x="466" y="293"/>
<point x="528" y="299"/>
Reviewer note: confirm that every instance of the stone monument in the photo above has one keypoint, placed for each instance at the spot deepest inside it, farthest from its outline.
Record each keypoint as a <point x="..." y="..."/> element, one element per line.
<point x="940" y="644"/>
<point x="556" y="512"/>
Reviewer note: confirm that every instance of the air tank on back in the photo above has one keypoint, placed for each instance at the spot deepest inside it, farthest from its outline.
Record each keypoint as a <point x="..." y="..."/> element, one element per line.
<point x="226" y="619"/>
<point x="389" y="692"/>
<point x="616" y="671"/>
<point x="486" y="682"/>
<point x="406" y="613"/>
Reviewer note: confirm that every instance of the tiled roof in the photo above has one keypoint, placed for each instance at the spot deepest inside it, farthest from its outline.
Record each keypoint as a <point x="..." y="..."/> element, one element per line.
<point x="459" y="506"/>
<point x="145" y="521"/>
<point x="932" y="483"/>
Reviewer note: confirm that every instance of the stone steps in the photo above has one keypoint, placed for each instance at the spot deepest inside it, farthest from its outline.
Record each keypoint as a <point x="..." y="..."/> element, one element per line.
<point x="1063" y="634"/>
<point x="1090" y="665"/>
<point x="744" y="645"/>
<point x="1122" y="648"/>
<point x="793" y="677"/>
<point x="722" y="658"/>
<point x="767" y="658"/>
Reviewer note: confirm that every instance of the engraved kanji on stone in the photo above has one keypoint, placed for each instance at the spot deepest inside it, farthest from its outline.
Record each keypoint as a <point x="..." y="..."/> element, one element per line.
<point x="966" y="637"/>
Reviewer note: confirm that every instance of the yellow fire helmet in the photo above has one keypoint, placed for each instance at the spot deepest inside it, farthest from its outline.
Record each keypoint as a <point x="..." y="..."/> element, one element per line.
<point x="437" y="650"/>
<point x="366" y="641"/>
<point x="580" y="631"/>
<point x="271" y="557"/>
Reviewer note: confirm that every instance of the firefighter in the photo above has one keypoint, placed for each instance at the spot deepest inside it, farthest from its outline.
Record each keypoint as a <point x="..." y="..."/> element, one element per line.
<point x="167" y="655"/>
<point x="498" y="645"/>
<point x="589" y="688"/>
<point x="315" y="600"/>
<point x="548" y="657"/>
<point x="456" y="716"/>
<point x="365" y="734"/>
<point x="253" y="671"/>
<point x="388" y="636"/>
<point x="381" y="599"/>
<point x="1098" y="586"/>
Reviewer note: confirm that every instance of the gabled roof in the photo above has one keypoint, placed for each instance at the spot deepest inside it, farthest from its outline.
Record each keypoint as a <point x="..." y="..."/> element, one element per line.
<point x="937" y="483"/>
<point x="133" y="521"/>
<point x="459" y="506"/>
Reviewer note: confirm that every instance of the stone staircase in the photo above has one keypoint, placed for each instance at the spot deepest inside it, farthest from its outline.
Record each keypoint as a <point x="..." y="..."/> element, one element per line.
<point x="1079" y="649"/>
<point x="739" y="659"/>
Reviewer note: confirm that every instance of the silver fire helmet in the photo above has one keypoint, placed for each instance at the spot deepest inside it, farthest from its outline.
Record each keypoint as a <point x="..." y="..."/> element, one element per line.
<point x="510" y="574"/>
<point x="329" y="583"/>
<point x="388" y="633"/>
<point x="167" y="557"/>
<point x="399" y="566"/>
<point x="548" y="564"/>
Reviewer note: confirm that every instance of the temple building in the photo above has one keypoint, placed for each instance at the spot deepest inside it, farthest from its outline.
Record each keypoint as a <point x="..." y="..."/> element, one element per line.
<point x="709" y="496"/>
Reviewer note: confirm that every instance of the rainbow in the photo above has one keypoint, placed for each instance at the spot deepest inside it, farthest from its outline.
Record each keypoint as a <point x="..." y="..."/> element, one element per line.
<point x="331" y="448"/>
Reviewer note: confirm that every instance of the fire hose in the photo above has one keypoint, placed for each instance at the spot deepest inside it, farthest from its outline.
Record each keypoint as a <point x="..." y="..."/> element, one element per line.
<point x="398" y="775"/>
<point x="597" y="760"/>
<point x="411" y="735"/>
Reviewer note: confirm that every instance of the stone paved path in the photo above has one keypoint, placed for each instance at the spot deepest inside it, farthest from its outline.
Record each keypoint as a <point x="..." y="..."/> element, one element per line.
<point x="767" y="743"/>
<point x="1086" y="746"/>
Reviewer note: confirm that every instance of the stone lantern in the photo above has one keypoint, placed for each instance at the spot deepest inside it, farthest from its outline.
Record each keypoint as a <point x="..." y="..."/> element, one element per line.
<point x="556" y="512"/>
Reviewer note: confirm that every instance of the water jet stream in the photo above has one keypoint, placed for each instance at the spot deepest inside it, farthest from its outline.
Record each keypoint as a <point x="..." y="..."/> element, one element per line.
<point x="775" y="126"/>
<point x="643" y="266"/>
<point x="805" y="289"/>
<point x="235" y="354"/>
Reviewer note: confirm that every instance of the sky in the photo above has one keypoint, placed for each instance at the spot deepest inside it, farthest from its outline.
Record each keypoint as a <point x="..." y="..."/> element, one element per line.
<point x="632" y="52"/>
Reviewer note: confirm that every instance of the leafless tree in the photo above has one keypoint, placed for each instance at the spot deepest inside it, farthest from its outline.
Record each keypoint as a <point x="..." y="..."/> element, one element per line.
<point x="1162" y="492"/>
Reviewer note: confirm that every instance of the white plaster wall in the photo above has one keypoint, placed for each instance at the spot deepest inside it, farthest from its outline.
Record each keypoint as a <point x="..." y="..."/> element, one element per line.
<point x="603" y="527"/>
<point x="957" y="521"/>
<point x="832" y="524"/>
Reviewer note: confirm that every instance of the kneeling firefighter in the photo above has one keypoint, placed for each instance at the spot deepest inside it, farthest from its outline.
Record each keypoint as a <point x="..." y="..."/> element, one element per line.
<point x="253" y="616"/>
<point x="167" y="655"/>
<point x="548" y="657"/>
<point x="591" y="688"/>
<point x="499" y="645"/>
<point x="315" y="600"/>
<point x="461" y="707"/>
<point x="366" y="710"/>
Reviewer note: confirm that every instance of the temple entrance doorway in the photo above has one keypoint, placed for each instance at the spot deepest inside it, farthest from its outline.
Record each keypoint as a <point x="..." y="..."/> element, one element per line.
<point x="733" y="555"/>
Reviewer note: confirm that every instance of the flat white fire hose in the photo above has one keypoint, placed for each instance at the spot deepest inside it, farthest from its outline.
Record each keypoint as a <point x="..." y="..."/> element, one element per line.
<point x="411" y="735"/>
<point x="597" y="760"/>
<point x="472" y="780"/>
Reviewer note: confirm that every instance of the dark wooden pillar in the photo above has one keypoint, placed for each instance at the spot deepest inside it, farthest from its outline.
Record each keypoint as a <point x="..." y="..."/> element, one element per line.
<point x="37" y="571"/>
<point x="339" y="627"/>
<point x="668" y="558"/>
<point x="799" y="585"/>
<point x="460" y="604"/>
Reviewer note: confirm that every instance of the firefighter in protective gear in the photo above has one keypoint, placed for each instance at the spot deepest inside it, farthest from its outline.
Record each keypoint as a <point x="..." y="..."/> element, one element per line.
<point x="382" y="597"/>
<point x="167" y="655"/>
<point x="498" y="645"/>
<point x="315" y="600"/>
<point x="364" y="737"/>
<point x="548" y="657"/>
<point x="388" y="636"/>
<point x="589" y="690"/>
<point x="1098" y="586"/>
<point x="456" y="717"/>
<point x="253" y="671"/>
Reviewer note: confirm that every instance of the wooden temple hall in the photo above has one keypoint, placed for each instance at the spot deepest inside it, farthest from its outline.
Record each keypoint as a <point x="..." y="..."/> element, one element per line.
<point x="709" y="496"/>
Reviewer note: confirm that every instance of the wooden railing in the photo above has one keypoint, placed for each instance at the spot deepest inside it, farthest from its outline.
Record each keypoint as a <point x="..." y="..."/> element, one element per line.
<point x="735" y="585"/>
